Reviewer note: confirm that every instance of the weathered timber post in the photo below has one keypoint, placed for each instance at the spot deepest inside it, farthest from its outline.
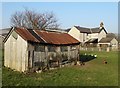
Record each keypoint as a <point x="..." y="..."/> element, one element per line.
<point x="30" y="61"/>
<point x="46" y="57"/>
<point x="58" y="50"/>
<point x="68" y="52"/>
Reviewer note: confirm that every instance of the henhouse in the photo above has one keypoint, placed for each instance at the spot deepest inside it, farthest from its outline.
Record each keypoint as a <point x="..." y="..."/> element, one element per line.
<point x="26" y="49"/>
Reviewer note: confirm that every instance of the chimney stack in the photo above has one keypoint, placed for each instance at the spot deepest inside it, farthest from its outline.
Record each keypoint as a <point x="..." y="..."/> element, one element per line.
<point x="101" y="25"/>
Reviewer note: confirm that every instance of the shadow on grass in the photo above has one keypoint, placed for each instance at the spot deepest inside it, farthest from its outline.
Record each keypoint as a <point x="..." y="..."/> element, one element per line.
<point x="86" y="58"/>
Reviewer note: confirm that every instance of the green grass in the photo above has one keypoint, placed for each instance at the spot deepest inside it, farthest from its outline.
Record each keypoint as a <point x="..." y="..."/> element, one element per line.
<point x="93" y="73"/>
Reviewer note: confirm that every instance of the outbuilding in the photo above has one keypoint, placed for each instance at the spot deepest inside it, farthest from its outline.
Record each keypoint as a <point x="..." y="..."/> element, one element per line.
<point x="26" y="49"/>
<point x="108" y="44"/>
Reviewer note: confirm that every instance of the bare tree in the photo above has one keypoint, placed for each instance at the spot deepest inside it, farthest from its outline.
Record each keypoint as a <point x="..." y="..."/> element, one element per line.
<point x="34" y="20"/>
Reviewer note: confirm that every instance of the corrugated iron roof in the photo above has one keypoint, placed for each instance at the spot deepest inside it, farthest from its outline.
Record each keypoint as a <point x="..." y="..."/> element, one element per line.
<point x="35" y="35"/>
<point x="25" y="34"/>
<point x="56" y="38"/>
<point x="46" y="37"/>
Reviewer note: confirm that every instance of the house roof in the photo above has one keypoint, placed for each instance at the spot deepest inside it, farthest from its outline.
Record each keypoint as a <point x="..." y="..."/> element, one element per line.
<point x="56" y="30"/>
<point x="83" y="29"/>
<point x="88" y="30"/>
<point x="46" y="37"/>
<point x="95" y="30"/>
<point x="105" y="40"/>
<point x="4" y="31"/>
<point x="67" y="30"/>
<point x="111" y="35"/>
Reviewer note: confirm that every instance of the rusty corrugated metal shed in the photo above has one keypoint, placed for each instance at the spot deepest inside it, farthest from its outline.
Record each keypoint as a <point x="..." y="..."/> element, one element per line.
<point x="46" y="37"/>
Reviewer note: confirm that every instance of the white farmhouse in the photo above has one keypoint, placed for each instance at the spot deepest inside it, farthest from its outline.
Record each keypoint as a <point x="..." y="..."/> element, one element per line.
<point x="108" y="43"/>
<point x="86" y="34"/>
<point x="93" y="37"/>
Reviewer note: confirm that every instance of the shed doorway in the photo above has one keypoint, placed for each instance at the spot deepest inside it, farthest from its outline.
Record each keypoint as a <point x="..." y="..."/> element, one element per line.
<point x="30" y="58"/>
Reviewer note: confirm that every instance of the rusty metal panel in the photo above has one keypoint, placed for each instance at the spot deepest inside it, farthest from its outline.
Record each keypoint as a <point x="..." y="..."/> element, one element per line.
<point x="56" y="38"/>
<point x="35" y="35"/>
<point x="25" y="34"/>
<point x="46" y="37"/>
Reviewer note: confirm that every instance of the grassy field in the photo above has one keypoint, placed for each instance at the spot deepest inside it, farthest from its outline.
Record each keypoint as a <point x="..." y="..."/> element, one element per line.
<point x="93" y="73"/>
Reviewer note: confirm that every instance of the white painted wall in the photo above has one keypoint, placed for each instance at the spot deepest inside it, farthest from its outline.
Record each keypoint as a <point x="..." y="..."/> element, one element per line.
<point x="93" y="35"/>
<point x="74" y="32"/>
<point x="85" y="37"/>
<point x="15" y="53"/>
<point x="82" y="37"/>
<point x="101" y="35"/>
<point x="114" y="43"/>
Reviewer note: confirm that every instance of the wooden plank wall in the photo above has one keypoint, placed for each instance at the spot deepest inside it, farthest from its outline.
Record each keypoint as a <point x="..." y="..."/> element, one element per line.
<point x="15" y="53"/>
<point x="41" y="56"/>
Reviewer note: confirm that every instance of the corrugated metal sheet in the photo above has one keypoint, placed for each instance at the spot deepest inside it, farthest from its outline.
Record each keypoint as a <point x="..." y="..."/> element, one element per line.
<point x="35" y="35"/>
<point x="56" y="38"/>
<point x="25" y="34"/>
<point x="46" y="37"/>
